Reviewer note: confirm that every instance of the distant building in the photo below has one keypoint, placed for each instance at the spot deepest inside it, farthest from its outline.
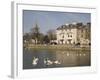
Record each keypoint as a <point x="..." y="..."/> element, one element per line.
<point x="74" y="33"/>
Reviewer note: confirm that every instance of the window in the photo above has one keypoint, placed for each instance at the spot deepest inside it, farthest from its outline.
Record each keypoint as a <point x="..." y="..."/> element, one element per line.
<point x="82" y="35"/>
<point x="63" y="36"/>
<point x="70" y="35"/>
<point x="82" y="30"/>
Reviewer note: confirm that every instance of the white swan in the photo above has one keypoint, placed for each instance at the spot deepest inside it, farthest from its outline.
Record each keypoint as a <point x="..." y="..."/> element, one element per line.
<point x="35" y="61"/>
<point x="56" y="62"/>
<point x="48" y="62"/>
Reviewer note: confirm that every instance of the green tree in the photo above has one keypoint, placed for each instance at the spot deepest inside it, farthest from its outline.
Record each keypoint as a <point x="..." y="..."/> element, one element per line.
<point x="26" y="36"/>
<point x="40" y="38"/>
<point x="46" y="39"/>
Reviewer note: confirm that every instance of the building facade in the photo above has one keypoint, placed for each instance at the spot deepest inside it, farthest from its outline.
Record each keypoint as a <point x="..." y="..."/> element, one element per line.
<point x="74" y="33"/>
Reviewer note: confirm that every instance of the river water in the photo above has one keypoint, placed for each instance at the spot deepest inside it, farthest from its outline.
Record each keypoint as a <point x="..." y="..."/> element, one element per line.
<point x="56" y="58"/>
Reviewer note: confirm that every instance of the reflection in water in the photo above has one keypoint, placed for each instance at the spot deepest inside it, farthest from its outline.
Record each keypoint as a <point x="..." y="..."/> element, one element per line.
<point x="33" y="59"/>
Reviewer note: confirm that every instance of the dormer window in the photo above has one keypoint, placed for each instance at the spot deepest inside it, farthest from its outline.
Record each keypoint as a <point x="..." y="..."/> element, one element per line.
<point x="69" y="29"/>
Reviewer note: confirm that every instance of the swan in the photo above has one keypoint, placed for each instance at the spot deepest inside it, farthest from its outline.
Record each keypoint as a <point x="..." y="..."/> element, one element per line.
<point x="56" y="62"/>
<point x="35" y="61"/>
<point x="48" y="62"/>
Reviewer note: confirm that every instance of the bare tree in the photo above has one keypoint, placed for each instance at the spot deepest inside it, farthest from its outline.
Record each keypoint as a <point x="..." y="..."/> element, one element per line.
<point x="35" y="33"/>
<point x="51" y="34"/>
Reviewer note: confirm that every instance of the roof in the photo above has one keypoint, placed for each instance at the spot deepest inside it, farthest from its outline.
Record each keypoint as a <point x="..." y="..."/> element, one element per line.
<point x="74" y="25"/>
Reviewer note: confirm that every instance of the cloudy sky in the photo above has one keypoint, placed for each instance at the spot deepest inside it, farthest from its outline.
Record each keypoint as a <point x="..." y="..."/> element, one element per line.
<point x="47" y="20"/>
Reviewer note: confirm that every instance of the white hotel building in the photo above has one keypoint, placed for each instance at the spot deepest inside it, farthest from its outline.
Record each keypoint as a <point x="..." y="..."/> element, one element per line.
<point x="74" y="33"/>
